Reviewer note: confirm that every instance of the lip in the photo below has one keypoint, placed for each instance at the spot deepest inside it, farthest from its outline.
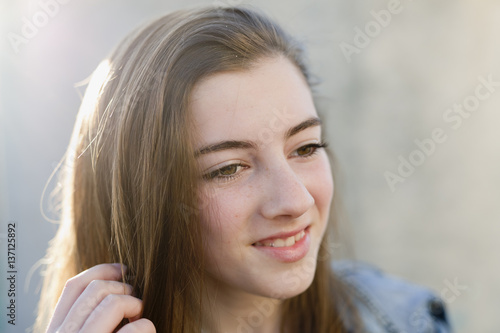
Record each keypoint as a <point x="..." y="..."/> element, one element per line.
<point x="283" y="234"/>
<point x="287" y="254"/>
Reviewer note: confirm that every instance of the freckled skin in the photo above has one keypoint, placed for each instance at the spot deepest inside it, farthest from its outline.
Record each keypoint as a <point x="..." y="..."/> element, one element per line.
<point x="275" y="191"/>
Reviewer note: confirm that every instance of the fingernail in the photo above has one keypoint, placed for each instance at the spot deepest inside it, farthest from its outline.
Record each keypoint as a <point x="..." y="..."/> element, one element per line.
<point x="119" y="266"/>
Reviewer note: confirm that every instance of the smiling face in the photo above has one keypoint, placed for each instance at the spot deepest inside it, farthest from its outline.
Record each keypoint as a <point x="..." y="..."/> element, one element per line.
<point x="266" y="185"/>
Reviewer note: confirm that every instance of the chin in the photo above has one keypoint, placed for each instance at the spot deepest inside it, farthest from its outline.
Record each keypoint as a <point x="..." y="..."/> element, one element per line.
<point x="293" y="281"/>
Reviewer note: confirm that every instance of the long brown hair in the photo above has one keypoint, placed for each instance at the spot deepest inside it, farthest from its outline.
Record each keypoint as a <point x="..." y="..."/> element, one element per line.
<point x="130" y="177"/>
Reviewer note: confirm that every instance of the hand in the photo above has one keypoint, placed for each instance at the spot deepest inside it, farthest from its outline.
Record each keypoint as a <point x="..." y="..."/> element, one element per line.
<point x="95" y="301"/>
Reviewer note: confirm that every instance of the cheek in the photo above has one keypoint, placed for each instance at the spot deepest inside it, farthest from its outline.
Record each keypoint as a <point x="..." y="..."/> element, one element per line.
<point x="321" y="186"/>
<point x="225" y="235"/>
<point x="223" y="219"/>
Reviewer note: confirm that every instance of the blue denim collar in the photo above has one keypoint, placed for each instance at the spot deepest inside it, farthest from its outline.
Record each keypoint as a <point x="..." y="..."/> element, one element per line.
<point x="388" y="304"/>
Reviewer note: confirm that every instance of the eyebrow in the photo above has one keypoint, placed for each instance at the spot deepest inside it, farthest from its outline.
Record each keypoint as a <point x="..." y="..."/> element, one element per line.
<point x="234" y="144"/>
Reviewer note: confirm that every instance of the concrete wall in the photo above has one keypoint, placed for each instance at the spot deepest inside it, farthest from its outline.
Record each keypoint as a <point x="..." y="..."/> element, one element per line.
<point x="438" y="223"/>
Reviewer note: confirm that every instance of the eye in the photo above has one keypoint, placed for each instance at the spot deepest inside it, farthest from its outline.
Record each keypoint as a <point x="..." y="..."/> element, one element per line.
<point x="228" y="170"/>
<point x="232" y="171"/>
<point x="225" y="173"/>
<point x="310" y="149"/>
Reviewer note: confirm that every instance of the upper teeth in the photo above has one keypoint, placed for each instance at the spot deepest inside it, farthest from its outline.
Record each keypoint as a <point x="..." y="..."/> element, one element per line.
<point x="282" y="242"/>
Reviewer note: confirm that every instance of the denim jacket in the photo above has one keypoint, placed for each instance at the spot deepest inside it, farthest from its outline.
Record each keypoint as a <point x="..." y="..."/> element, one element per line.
<point x="387" y="304"/>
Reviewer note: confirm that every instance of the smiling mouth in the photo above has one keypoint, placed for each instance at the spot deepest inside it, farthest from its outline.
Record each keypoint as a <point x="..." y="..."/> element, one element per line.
<point x="282" y="242"/>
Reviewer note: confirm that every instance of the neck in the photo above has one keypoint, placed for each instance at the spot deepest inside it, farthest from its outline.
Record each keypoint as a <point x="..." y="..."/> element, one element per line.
<point x="230" y="310"/>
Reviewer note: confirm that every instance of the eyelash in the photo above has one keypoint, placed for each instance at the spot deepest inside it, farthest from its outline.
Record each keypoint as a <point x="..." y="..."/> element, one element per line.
<point x="216" y="174"/>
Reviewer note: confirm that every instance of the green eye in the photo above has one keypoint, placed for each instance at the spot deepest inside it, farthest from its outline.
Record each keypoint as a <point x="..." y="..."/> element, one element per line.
<point x="225" y="173"/>
<point x="228" y="170"/>
<point x="306" y="150"/>
<point x="309" y="150"/>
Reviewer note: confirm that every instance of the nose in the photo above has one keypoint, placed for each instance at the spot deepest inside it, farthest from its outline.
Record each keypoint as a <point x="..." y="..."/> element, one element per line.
<point x="285" y="194"/>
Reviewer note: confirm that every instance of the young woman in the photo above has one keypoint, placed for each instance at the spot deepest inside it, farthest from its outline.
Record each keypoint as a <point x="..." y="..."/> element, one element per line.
<point x="198" y="191"/>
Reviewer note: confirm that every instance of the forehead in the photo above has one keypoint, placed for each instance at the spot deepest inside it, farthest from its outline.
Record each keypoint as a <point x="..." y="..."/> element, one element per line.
<point x="239" y="105"/>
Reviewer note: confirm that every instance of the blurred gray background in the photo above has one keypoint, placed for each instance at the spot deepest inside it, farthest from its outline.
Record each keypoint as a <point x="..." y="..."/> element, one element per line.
<point x="386" y="83"/>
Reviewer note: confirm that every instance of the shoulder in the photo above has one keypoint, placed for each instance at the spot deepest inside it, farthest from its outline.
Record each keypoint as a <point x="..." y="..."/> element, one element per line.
<point x="389" y="304"/>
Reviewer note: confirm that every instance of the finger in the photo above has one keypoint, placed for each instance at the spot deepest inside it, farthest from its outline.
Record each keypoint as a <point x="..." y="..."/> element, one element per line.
<point x="76" y="285"/>
<point x="142" y="325"/>
<point x="111" y="311"/>
<point x="89" y="299"/>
